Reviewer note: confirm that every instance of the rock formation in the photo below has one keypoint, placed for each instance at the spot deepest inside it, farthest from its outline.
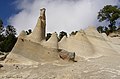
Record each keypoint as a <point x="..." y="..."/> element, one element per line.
<point x="33" y="57"/>
<point x="38" y="33"/>
<point x="65" y="55"/>
<point x="52" y="41"/>
<point x="29" y="46"/>
<point x="86" y="43"/>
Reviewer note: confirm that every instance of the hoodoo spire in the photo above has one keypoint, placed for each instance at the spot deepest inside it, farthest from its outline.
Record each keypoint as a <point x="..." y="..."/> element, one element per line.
<point x="38" y="33"/>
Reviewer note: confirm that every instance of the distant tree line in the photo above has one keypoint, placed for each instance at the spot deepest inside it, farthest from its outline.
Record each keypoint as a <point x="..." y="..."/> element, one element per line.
<point x="111" y="15"/>
<point x="61" y="35"/>
<point x="7" y="37"/>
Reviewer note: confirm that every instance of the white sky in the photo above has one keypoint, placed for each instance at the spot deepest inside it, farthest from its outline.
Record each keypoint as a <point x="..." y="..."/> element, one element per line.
<point x="62" y="15"/>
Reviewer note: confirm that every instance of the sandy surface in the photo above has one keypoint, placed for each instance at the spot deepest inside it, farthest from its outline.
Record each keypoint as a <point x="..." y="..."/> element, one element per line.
<point x="104" y="67"/>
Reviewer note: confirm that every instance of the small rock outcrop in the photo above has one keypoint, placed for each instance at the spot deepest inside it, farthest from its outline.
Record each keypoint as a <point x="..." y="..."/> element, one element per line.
<point x="65" y="55"/>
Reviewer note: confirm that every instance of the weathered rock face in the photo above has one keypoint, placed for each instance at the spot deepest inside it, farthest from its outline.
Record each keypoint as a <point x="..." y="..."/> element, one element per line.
<point x="86" y="43"/>
<point x="52" y="41"/>
<point x="79" y="44"/>
<point x="38" y="33"/>
<point x="43" y="21"/>
<point x="31" y="50"/>
<point x="29" y="47"/>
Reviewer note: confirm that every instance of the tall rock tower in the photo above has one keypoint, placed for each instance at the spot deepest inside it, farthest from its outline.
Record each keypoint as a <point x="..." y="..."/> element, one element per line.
<point x="38" y="33"/>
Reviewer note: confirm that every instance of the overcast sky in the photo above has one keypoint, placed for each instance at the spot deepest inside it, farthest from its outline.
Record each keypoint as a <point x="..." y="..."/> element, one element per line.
<point x="66" y="15"/>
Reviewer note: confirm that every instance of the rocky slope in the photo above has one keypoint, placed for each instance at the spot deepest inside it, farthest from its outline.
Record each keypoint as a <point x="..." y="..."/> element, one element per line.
<point x="97" y="57"/>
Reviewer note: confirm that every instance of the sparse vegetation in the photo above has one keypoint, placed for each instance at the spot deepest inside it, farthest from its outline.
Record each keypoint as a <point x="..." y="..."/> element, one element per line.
<point x="62" y="34"/>
<point x="73" y="32"/>
<point x="111" y="14"/>
<point x="29" y="32"/>
<point x="48" y="36"/>
<point x="7" y="37"/>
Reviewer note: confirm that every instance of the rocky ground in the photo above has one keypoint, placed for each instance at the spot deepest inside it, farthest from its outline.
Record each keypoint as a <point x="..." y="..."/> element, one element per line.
<point x="104" y="67"/>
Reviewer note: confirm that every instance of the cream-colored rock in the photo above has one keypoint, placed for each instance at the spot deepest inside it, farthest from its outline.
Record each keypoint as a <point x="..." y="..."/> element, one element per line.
<point x="78" y="44"/>
<point x="38" y="33"/>
<point x="52" y="41"/>
<point x="100" y="43"/>
<point x="23" y="34"/>
<point x="62" y="43"/>
<point x="92" y="32"/>
<point x="18" y="59"/>
<point x="33" y="51"/>
<point x="105" y="36"/>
